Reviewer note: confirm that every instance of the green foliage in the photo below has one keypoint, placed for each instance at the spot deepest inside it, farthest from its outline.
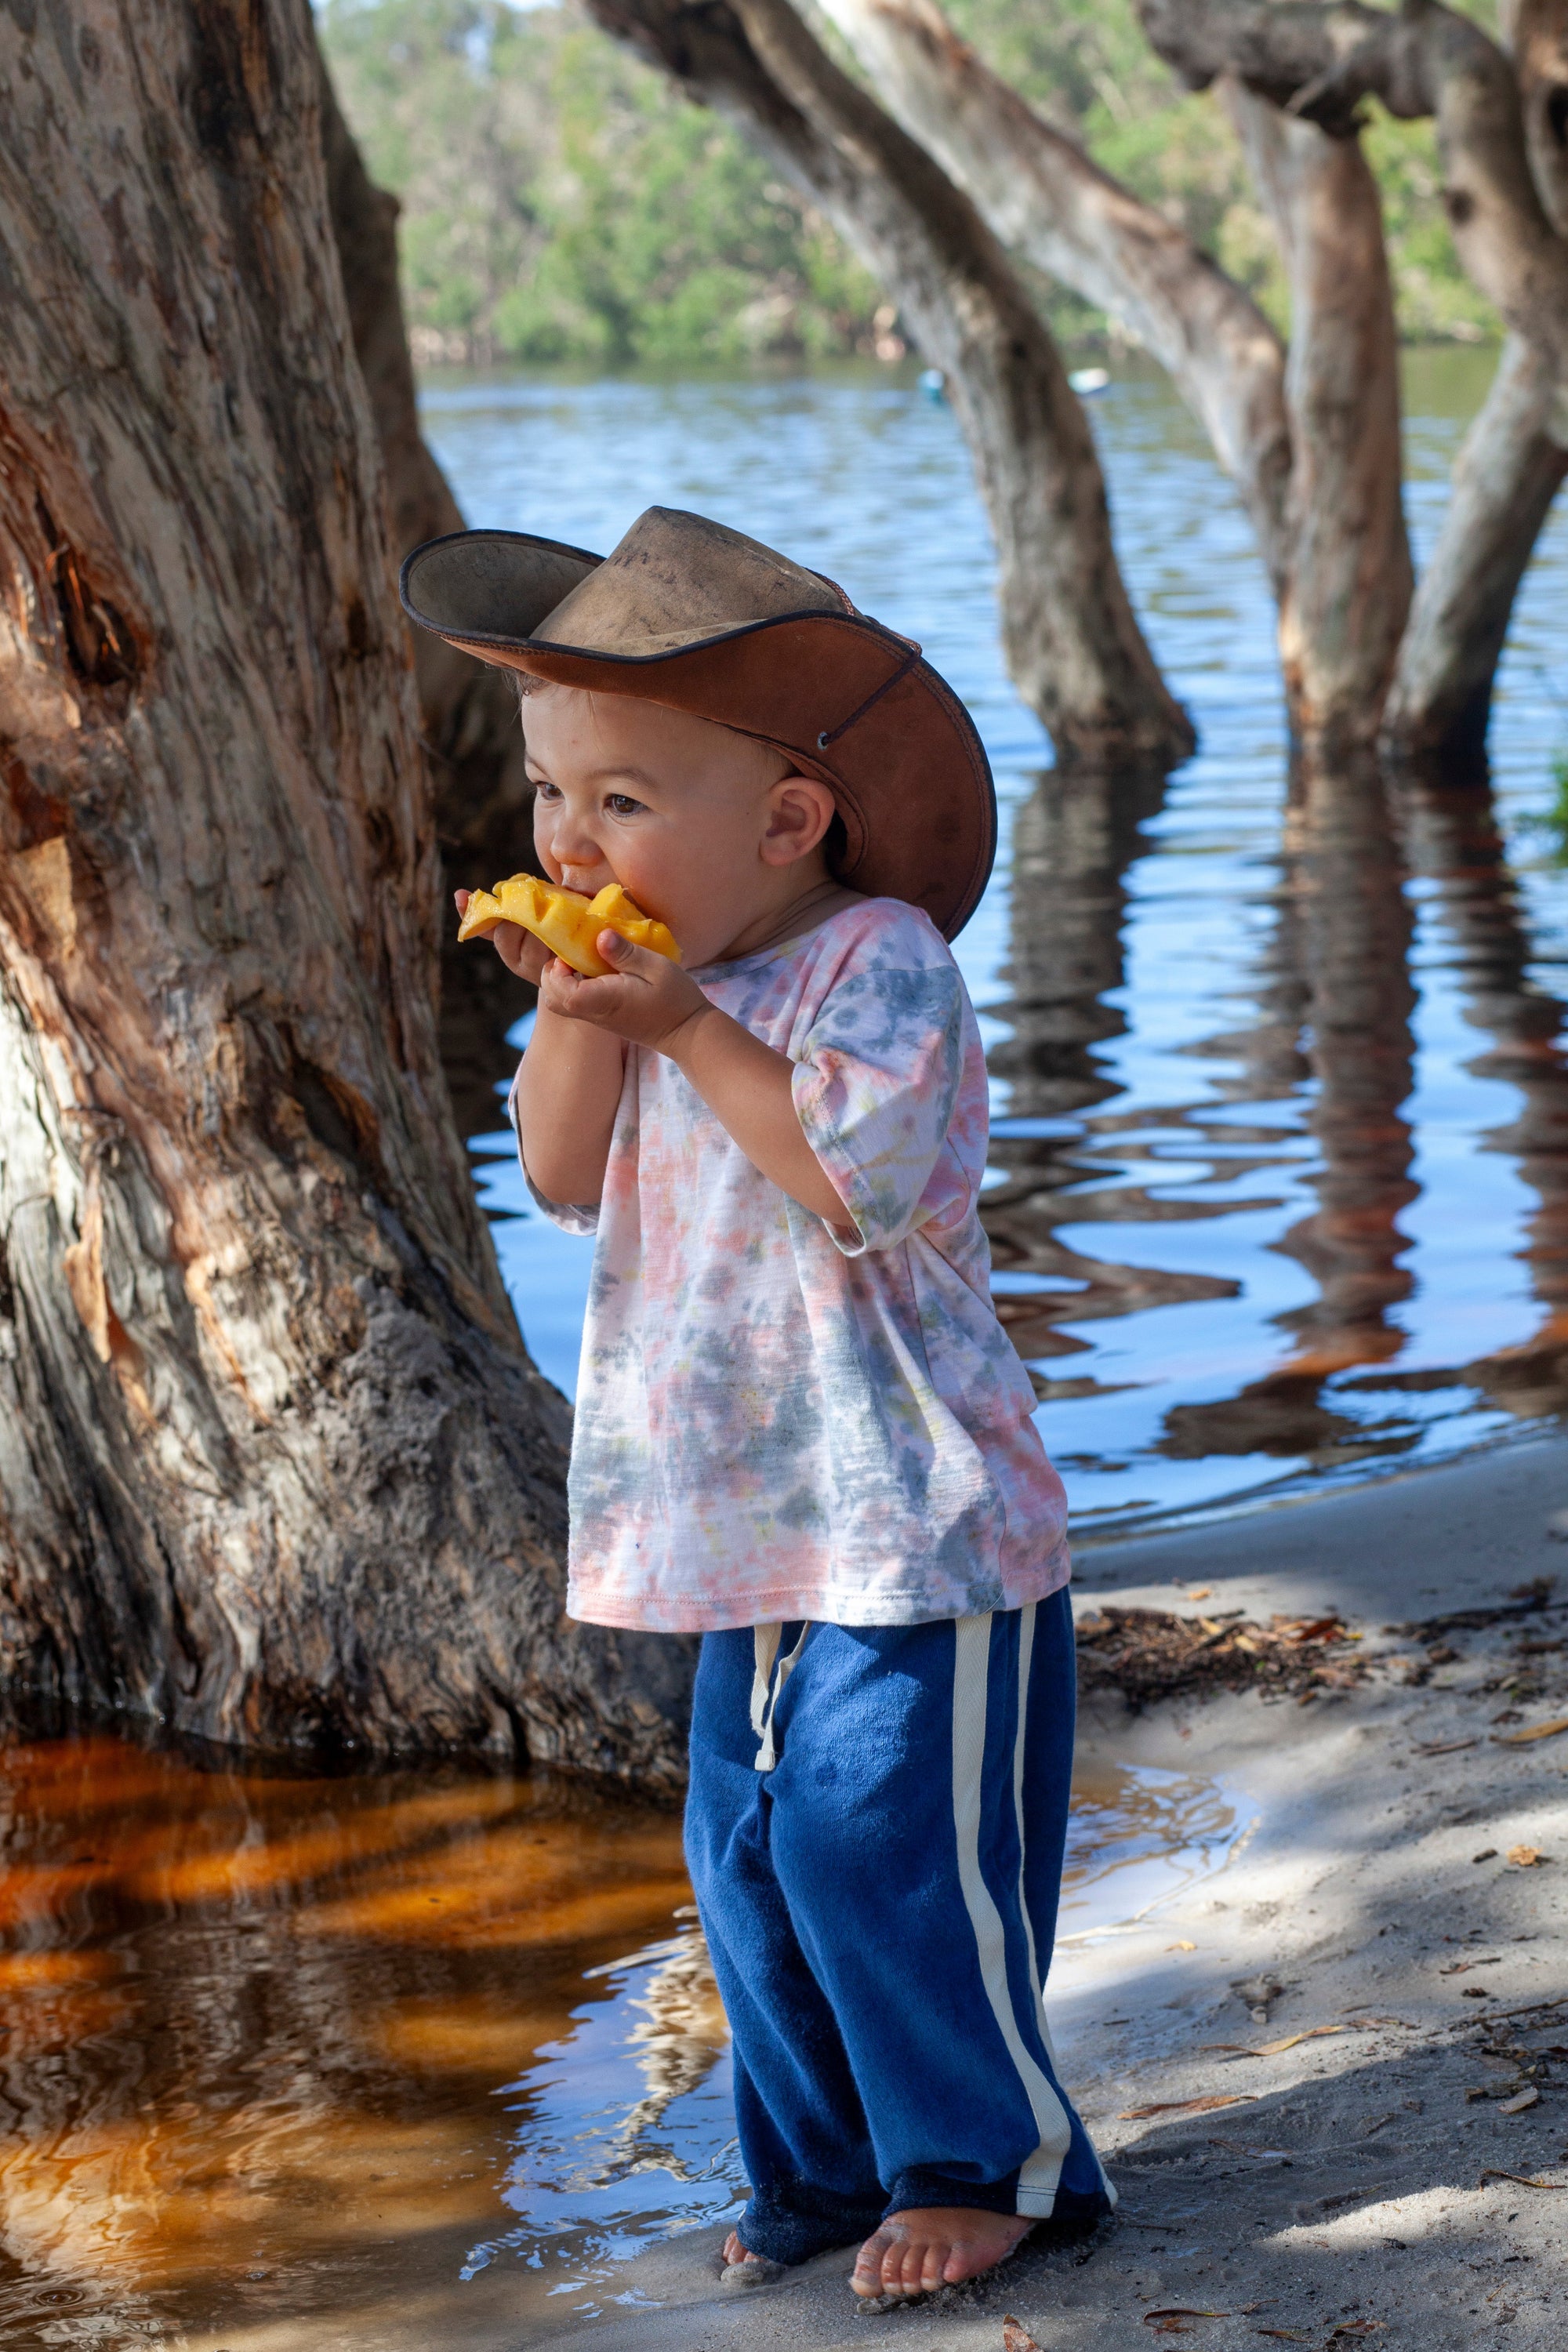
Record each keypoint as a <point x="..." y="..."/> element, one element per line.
<point x="563" y="201"/>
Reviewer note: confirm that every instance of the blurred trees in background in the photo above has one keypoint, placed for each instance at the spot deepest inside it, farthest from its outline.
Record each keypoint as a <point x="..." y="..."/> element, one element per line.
<point x="561" y="201"/>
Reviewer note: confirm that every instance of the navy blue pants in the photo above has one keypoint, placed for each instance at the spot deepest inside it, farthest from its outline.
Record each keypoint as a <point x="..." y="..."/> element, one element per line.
<point x="875" y="1832"/>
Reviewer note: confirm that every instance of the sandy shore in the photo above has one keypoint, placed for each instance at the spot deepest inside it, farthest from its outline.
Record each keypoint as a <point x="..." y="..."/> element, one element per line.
<point x="1357" y="2179"/>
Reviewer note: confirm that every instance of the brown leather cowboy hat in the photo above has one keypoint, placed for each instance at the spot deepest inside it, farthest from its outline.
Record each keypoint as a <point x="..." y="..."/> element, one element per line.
<point x="686" y="612"/>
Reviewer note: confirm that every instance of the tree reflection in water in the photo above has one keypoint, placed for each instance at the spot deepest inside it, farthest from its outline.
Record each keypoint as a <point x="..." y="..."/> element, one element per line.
<point x="1336" y="1003"/>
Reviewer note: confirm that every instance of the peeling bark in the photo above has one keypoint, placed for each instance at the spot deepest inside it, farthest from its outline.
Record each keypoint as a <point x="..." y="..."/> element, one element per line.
<point x="1046" y="199"/>
<point x="274" y="1466"/>
<point x="1073" y="645"/>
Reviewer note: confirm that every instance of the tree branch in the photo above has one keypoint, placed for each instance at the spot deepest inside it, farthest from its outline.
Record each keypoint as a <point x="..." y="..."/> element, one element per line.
<point x="1322" y="62"/>
<point x="1072" y="642"/>
<point x="1045" y="199"/>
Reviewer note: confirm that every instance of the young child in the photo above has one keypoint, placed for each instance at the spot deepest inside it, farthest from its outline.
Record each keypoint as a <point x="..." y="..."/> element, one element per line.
<point x="800" y="1431"/>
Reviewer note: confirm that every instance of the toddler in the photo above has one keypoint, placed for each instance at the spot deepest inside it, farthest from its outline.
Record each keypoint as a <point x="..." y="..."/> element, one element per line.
<point x="800" y="1431"/>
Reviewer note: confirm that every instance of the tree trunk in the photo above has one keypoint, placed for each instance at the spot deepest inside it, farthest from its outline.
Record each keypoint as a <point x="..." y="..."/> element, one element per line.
<point x="1320" y="63"/>
<point x="274" y="1466"/>
<point x="1073" y="645"/>
<point x="1347" y="589"/>
<point x="1046" y="199"/>
<point x="1537" y="32"/>
<point x="484" y="801"/>
<point x="1314" y="446"/>
<point x="1505" y="478"/>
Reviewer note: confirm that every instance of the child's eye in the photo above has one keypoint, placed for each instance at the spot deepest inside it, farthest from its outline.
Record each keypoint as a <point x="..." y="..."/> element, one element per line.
<point x="622" y="804"/>
<point x="546" y="792"/>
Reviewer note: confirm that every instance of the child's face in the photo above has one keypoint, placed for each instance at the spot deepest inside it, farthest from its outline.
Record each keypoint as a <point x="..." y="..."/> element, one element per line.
<point x="707" y="830"/>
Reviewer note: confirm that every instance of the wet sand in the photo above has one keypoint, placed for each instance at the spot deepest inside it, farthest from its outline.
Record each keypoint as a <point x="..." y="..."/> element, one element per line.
<point x="1354" y="2180"/>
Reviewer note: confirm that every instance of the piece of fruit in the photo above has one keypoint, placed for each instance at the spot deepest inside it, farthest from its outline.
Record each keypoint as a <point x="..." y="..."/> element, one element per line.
<point x="565" y="920"/>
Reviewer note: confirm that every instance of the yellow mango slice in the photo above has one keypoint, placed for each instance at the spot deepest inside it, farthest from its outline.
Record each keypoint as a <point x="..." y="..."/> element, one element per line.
<point x="565" y="920"/>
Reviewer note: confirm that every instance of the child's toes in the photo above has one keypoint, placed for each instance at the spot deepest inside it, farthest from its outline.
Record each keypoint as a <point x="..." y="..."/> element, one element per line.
<point x="868" y="2276"/>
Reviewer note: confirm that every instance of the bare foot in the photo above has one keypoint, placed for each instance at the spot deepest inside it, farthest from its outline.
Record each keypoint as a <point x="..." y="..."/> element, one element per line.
<point x="739" y="2257"/>
<point x="934" y="2245"/>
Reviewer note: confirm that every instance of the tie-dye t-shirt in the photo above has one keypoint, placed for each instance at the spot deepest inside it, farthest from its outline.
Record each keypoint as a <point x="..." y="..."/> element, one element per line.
<point x="777" y="1418"/>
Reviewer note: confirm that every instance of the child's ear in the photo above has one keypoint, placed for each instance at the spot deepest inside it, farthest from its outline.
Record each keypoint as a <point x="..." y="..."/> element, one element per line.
<point x="800" y="811"/>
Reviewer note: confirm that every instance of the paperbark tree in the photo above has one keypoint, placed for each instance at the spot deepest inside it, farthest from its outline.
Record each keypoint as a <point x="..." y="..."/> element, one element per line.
<point x="1311" y="438"/>
<point x="483" y="801"/>
<point x="1072" y="642"/>
<point x="1319" y="64"/>
<point x="274" y="1466"/>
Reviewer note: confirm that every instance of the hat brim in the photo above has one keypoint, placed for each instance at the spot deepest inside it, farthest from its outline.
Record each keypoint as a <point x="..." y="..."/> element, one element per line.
<point x="907" y="773"/>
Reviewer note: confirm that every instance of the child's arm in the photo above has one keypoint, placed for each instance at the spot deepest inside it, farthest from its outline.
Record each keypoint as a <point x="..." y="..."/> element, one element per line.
<point x="748" y="1086"/>
<point x="568" y="1087"/>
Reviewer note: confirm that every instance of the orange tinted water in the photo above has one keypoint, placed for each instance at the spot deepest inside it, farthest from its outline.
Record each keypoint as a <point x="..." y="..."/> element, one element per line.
<point x="311" y="2061"/>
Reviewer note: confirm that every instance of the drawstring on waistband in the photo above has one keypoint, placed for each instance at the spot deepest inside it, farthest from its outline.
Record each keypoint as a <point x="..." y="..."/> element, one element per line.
<point x="765" y="1641"/>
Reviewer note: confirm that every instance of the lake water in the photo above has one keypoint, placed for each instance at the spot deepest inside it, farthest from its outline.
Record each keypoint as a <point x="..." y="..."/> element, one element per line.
<point x="288" y="2052"/>
<point x="1279" y="1113"/>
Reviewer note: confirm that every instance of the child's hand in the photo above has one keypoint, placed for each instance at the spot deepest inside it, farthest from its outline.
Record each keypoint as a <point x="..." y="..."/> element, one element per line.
<point x="518" y="950"/>
<point x="646" y="998"/>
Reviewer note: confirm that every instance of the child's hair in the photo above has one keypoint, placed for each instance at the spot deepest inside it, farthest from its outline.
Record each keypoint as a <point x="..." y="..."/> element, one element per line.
<point x="835" y="841"/>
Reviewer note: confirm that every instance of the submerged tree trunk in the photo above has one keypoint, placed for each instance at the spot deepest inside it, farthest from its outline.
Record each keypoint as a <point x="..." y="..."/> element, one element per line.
<point x="1502" y="196"/>
<point x="274" y="1466"/>
<point x="1073" y="645"/>
<point x="1347" y="588"/>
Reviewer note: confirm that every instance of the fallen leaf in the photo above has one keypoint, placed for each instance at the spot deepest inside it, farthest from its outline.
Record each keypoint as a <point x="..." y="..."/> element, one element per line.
<point x="1243" y="1644"/>
<point x="1457" y="1968"/>
<point x="1495" y="2172"/>
<point x="1531" y="1731"/>
<point x="1528" y="2097"/>
<point x="1320" y="1629"/>
<point x="1203" y="1592"/>
<point x="1181" y="2311"/>
<point x="1186" y="2106"/>
<point x="1525" y="1857"/>
<point x="1016" y="2337"/>
<point x="1182" y="1946"/>
<point x="1445" y="1746"/>
<point x="1487" y="1854"/>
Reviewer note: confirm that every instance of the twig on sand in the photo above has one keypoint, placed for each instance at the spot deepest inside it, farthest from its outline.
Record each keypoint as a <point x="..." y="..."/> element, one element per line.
<point x="1495" y="2172"/>
<point x="1188" y="2106"/>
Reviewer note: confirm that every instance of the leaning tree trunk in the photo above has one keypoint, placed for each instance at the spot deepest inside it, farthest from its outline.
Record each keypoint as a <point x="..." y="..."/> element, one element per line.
<point x="1050" y="202"/>
<point x="274" y="1466"/>
<point x="1073" y="645"/>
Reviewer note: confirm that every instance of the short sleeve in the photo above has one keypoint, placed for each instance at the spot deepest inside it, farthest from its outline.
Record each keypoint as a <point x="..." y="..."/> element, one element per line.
<point x="579" y="1217"/>
<point x="875" y="1088"/>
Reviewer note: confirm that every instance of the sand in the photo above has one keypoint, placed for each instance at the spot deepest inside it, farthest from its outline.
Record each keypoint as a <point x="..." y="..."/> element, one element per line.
<point x="1356" y="2180"/>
